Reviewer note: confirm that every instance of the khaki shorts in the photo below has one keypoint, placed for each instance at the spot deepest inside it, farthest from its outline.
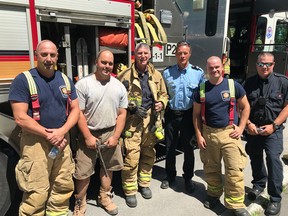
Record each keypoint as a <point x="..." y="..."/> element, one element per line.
<point x="85" y="158"/>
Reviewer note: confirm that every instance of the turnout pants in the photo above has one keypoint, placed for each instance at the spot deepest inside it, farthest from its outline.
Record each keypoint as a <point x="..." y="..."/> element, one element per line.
<point x="140" y="155"/>
<point x="47" y="184"/>
<point x="221" y="145"/>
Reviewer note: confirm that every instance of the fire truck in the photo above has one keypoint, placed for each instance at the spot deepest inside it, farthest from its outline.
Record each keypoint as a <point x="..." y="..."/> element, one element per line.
<point x="76" y="27"/>
<point x="80" y="29"/>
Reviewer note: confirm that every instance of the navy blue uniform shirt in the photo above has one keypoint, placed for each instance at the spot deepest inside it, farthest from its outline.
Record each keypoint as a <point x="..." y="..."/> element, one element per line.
<point x="217" y="103"/>
<point x="51" y="95"/>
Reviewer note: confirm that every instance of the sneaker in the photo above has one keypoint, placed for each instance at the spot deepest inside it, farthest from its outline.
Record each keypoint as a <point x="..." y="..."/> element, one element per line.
<point x="254" y="193"/>
<point x="166" y="183"/>
<point x="273" y="208"/>
<point x="241" y="212"/>
<point x="131" y="201"/>
<point x="189" y="186"/>
<point x="146" y="192"/>
<point x="211" y="202"/>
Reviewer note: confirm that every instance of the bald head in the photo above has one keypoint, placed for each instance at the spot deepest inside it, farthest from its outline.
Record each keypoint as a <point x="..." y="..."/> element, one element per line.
<point x="213" y="59"/>
<point x="104" y="65"/>
<point x="214" y="69"/>
<point x="43" y="43"/>
<point x="47" y="56"/>
<point x="104" y="52"/>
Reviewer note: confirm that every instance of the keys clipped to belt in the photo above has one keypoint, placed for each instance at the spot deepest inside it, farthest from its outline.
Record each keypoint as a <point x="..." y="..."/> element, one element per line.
<point x="100" y="146"/>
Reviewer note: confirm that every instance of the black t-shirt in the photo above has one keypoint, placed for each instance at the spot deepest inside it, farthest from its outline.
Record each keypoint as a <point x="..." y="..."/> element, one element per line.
<point x="147" y="99"/>
<point x="217" y="104"/>
<point x="51" y="93"/>
<point x="268" y="94"/>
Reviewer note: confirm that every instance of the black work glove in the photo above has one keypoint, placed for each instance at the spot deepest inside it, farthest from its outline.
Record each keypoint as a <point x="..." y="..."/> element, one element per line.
<point x="141" y="112"/>
<point x="138" y="110"/>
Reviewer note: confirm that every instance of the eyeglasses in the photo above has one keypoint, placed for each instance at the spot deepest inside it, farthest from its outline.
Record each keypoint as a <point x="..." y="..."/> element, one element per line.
<point x="262" y="64"/>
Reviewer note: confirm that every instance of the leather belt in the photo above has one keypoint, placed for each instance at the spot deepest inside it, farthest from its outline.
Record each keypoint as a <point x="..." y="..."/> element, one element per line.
<point x="179" y="112"/>
<point x="103" y="130"/>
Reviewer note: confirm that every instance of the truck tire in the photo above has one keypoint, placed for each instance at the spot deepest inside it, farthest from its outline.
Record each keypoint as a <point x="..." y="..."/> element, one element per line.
<point x="4" y="186"/>
<point x="10" y="194"/>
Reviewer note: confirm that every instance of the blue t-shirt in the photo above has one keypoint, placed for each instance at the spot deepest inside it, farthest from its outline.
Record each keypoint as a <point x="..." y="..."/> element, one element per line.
<point x="52" y="100"/>
<point x="218" y="103"/>
<point x="181" y="84"/>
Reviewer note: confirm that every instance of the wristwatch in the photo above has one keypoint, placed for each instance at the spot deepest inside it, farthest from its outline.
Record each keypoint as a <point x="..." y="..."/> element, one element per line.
<point x="276" y="126"/>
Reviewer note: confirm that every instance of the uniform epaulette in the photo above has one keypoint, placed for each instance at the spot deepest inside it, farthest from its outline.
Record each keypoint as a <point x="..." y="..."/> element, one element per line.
<point x="280" y="75"/>
<point x="196" y="67"/>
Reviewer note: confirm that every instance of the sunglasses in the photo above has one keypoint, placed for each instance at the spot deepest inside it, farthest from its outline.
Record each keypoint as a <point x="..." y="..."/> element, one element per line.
<point x="261" y="64"/>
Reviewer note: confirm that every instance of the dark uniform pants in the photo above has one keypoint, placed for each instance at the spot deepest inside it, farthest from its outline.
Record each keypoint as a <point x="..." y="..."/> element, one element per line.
<point x="273" y="146"/>
<point x="179" y="126"/>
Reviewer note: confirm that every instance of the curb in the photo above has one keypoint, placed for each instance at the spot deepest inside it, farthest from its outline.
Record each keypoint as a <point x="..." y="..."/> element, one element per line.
<point x="256" y="207"/>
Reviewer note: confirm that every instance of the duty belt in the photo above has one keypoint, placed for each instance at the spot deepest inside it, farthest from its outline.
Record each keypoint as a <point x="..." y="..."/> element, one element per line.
<point x="179" y="112"/>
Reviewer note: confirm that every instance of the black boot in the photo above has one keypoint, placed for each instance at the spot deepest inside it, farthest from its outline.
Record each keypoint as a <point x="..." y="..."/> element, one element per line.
<point x="211" y="202"/>
<point x="131" y="201"/>
<point x="273" y="208"/>
<point x="241" y="212"/>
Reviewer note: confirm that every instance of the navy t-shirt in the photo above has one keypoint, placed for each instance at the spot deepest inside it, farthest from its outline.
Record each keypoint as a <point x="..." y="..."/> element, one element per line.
<point x="217" y="104"/>
<point x="52" y="99"/>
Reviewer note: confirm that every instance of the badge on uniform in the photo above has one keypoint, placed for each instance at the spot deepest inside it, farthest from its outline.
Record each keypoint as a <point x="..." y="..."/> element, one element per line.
<point x="225" y="95"/>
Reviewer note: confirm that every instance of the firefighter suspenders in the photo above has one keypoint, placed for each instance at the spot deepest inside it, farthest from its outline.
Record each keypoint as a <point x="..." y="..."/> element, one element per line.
<point x="35" y="98"/>
<point x="232" y="101"/>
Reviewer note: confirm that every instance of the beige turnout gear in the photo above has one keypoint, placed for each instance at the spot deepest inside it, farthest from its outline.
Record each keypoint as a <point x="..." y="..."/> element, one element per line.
<point x="47" y="184"/>
<point x="221" y="146"/>
<point x="105" y="201"/>
<point x="80" y="206"/>
<point x="139" y="139"/>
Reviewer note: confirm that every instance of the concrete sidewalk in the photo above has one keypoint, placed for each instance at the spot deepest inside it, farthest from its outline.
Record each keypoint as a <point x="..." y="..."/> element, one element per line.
<point x="175" y="201"/>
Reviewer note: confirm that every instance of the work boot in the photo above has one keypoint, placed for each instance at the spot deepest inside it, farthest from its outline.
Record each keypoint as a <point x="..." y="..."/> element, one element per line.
<point x="241" y="212"/>
<point x="285" y="156"/>
<point x="273" y="208"/>
<point x="105" y="201"/>
<point x="167" y="182"/>
<point x="131" y="201"/>
<point x="189" y="186"/>
<point x="80" y="206"/>
<point x="146" y="192"/>
<point x="254" y="193"/>
<point x="211" y="202"/>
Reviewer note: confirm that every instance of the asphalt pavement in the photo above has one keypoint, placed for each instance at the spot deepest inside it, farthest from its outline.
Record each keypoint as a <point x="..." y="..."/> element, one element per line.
<point x="175" y="200"/>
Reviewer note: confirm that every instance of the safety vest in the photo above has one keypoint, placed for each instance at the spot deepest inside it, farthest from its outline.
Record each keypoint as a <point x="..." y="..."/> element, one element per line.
<point x="35" y="98"/>
<point x="232" y="101"/>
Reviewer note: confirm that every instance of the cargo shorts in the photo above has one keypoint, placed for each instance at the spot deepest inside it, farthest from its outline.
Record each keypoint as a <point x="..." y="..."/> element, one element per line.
<point x="85" y="158"/>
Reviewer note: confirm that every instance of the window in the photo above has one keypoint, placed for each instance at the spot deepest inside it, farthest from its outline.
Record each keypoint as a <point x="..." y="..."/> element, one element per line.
<point x="281" y="36"/>
<point x="260" y="34"/>
<point x="198" y="4"/>
<point x="211" y="17"/>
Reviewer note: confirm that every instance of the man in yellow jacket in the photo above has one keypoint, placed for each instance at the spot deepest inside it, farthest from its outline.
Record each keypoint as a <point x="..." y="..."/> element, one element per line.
<point x="147" y="97"/>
